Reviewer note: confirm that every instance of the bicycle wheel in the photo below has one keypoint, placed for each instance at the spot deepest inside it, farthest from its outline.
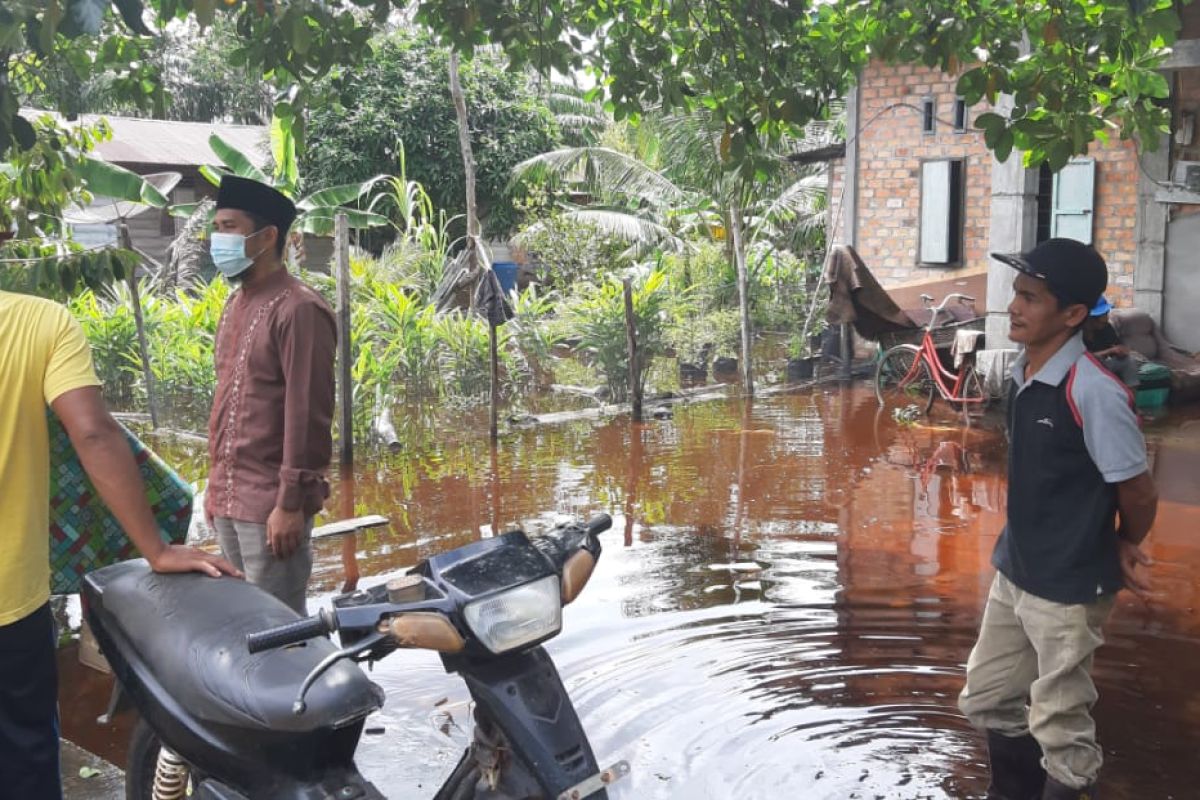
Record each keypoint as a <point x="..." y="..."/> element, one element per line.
<point x="898" y="386"/>
<point x="974" y="402"/>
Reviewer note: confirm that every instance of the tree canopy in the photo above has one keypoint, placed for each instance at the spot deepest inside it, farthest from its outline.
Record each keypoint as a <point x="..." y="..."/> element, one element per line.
<point x="401" y="98"/>
<point x="762" y="66"/>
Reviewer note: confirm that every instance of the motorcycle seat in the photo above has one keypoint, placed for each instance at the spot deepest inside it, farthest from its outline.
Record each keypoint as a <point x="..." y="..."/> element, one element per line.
<point x="189" y="630"/>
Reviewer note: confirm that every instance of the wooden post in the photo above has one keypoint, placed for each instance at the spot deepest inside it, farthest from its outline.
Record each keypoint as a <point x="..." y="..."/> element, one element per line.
<point x="495" y="480"/>
<point x="494" y="427"/>
<point x="847" y="348"/>
<point x="350" y="541"/>
<point x="743" y="283"/>
<point x="135" y="299"/>
<point x="341" y="239"/>
<point x="635" y="372"/>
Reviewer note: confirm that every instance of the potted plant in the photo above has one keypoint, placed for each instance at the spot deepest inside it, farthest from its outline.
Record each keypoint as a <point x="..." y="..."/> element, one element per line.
<point x="691" y="350"/>
<point x="801" y="361"/>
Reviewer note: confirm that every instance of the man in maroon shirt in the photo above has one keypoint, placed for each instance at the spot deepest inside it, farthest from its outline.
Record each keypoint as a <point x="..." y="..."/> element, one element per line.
<point x="269" y="436"/>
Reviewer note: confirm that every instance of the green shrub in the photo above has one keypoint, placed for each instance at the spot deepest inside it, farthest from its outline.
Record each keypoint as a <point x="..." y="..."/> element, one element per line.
<point x="596" y="317"/>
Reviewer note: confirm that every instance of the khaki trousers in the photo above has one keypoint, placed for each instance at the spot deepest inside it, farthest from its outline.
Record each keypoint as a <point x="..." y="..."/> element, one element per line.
<point x="245" y="545"/>
<point x="1030" y="672"/>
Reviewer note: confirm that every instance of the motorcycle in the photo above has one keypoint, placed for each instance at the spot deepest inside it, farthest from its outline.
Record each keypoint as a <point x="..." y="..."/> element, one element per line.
<point x="240" y="698"/>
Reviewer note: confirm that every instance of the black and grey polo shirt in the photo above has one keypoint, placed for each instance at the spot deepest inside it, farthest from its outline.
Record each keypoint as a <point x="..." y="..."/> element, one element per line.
<point x="1073" y="436"/>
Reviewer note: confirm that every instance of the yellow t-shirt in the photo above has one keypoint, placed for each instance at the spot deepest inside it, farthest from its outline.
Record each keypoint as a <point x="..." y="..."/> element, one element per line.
<point x="43" y="354"/>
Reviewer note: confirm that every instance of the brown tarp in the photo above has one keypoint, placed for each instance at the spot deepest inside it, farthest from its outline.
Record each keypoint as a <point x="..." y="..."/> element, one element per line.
<point x="855" y="297"/>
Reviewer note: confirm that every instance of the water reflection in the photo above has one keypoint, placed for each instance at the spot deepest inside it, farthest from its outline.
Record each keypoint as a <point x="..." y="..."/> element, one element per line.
<point x="784" y="605"/>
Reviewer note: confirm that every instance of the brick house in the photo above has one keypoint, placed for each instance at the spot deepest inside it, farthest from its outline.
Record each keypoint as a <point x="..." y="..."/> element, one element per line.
<point x="923" y="201"/>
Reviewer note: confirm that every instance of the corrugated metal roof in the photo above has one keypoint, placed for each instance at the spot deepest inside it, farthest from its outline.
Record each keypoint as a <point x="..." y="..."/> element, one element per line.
<point x="178" y="144"/>
<point x="156" y="141"/>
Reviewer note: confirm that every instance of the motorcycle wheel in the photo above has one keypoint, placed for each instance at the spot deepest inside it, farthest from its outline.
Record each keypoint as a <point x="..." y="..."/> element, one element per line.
<point x="142" y="762"/>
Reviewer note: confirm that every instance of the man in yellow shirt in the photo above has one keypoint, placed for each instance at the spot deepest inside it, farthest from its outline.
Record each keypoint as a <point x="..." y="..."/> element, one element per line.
<point x="44" y="360"/>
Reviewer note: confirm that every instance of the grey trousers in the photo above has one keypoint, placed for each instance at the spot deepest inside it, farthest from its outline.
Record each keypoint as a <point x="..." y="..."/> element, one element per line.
<point x="245" y="544"/>
<point x="1030" y="672"/>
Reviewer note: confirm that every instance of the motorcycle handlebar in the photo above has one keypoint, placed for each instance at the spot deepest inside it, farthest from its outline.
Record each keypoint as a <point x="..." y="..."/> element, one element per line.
<point x="292" y="633"/>
<point x="598" y="524"/>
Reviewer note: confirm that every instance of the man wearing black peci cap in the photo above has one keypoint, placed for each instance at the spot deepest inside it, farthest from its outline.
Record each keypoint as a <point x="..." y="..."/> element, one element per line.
<point x="1080" y="501"/>
<point x="270" y="433"/>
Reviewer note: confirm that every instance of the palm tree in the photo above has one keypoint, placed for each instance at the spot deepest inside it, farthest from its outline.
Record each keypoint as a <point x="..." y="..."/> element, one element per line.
<point x="678" y="184"/>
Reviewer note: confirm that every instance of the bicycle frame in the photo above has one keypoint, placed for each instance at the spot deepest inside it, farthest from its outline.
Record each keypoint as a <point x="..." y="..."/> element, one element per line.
<point x="927" y="353"/>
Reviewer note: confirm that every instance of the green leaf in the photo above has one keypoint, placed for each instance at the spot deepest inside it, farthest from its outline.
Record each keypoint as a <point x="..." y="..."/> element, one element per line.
<point x="1059" y="154"/>
<point x="88" y="772"/>
<point x="109" y="180"/>
<point x="283" y="149"/>
<point x="212" y="174"/>
<point x="237" y="161"/>
<point x="1004" y="146"/>
<point x="320" y="221"/>
<point x="340" y="195"/>
<point x="989" y="120"/>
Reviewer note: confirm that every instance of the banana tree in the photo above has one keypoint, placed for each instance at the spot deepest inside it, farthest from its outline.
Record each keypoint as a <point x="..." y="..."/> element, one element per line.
<point x="316" y="211"/>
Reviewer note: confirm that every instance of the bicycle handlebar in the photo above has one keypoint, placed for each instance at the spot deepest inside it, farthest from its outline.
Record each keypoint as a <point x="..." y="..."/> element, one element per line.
<point x="935" y="310"/>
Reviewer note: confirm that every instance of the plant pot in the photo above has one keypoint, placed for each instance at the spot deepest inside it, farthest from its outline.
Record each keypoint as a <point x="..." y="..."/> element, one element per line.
<point x="725" y="364"/>
<point x="800" y="369"/>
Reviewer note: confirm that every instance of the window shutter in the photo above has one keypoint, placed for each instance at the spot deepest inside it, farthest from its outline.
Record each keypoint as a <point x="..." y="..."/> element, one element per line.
<point x="1073" y="201"/>
<point x="935" y="212"/>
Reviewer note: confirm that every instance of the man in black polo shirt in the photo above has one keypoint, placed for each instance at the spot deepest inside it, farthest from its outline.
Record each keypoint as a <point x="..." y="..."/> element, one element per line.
<point x="1080" y="501"/>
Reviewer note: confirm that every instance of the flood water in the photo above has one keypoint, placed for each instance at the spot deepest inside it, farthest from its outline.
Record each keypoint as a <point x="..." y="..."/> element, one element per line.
<point x="784" y="605"/>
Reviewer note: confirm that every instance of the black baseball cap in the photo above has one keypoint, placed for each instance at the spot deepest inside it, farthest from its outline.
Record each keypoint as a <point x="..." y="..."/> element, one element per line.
<point x="1074" y="271"/>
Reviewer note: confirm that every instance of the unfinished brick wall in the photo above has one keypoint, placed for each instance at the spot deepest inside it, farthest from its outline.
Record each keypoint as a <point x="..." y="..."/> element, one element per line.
<point x="891" y="149"/>
<point x="1116" y="215"/>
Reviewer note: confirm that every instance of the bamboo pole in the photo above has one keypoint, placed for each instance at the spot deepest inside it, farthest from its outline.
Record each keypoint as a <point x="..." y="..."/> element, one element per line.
<point x="135" y="299"/>
<point x="635" y="383"/>
<point x="341" y="239"/>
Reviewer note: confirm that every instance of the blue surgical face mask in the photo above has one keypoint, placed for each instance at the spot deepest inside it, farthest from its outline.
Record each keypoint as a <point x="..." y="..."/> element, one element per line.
<point x="229" y="252"/>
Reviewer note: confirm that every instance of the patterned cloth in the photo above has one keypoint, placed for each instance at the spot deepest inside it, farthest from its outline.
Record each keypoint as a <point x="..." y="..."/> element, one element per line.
<point x="84" y="535"/>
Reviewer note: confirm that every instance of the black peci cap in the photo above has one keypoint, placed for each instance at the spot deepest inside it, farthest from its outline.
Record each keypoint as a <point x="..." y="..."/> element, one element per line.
<point x="253" y="197"/>
<point x="1074" y="271"/>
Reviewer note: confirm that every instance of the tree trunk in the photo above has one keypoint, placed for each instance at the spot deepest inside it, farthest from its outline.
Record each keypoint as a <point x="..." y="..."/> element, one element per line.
<point x="464" y="143"/>
<point x="135" y="299"/>
<point x="743" y="281"/>
<point x="635" y="356"/>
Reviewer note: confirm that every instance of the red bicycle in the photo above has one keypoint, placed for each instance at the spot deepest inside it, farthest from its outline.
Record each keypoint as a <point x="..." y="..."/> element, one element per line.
<point x="909" y="375"/>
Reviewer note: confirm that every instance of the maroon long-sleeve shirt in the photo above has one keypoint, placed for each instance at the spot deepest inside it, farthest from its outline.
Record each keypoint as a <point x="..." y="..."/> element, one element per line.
<point x="270" y="433"/>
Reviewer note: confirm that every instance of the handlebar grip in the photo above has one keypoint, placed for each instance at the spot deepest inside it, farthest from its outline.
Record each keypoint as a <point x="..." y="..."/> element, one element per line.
<point x="967" y="297"/>
<point x="598" y="524"/>
<point x="291" y="633"/>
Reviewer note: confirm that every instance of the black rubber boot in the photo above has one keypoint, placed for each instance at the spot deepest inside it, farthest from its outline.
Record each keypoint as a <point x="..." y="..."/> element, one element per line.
<point x="1056" y="791"/>
<point x="1017" y="772"/>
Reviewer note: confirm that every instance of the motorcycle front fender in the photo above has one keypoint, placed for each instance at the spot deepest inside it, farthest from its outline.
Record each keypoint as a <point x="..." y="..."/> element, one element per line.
<point x="524" y="697"/>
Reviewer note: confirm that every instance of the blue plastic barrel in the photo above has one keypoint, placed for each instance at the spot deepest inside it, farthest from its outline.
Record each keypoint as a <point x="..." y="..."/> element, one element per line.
<point x="506" y="272"/>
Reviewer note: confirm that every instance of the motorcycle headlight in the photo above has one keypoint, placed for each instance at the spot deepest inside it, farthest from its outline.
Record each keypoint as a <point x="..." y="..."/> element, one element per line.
<point x="516" y="617"/>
